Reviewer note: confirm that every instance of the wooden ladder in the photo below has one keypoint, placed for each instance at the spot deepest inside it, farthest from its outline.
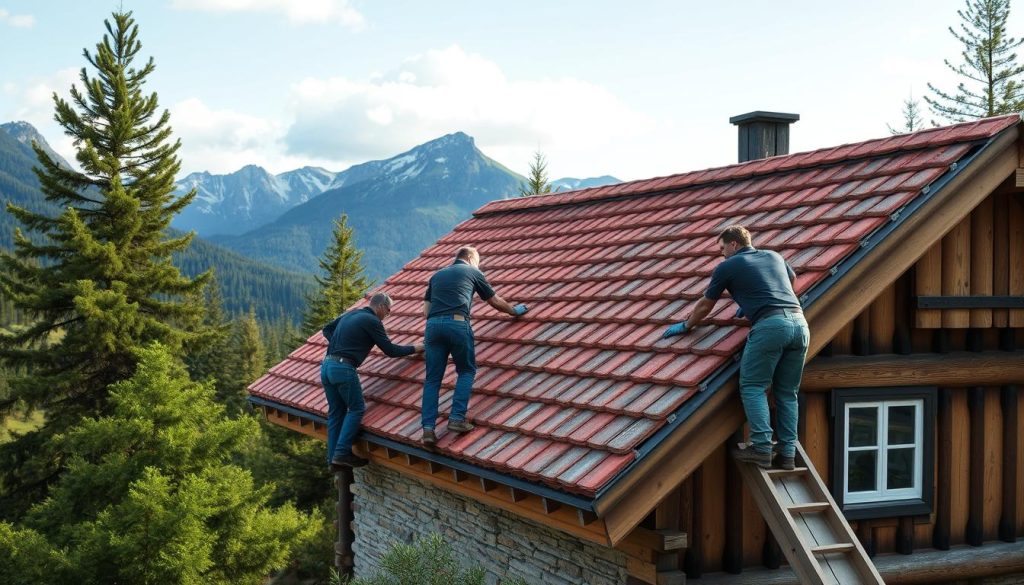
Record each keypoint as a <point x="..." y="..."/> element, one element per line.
<point x="812" y="532"/>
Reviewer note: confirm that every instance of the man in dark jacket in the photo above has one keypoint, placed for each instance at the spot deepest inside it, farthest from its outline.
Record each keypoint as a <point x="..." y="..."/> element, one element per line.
<point x="350" y="338"/>
<point x="761" y="283"/>
<point x="447" y="304"/>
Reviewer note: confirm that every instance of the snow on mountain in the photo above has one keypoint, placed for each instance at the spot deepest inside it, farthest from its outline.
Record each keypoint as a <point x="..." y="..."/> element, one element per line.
<point x="26" y="134"/>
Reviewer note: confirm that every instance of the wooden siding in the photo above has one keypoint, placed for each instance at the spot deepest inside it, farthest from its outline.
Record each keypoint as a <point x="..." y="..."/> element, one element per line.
<point x="971" y="490"/>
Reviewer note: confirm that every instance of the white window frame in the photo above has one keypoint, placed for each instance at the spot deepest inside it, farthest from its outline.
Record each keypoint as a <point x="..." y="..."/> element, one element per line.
<point x="882" y="493"/>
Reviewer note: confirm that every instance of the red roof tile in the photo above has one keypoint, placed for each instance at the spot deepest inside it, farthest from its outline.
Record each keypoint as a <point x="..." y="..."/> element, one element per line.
<point x="565" y="395"/>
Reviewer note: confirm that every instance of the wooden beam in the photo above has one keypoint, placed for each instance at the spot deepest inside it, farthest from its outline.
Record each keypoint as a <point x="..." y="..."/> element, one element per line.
<point x="944" y="471"/>
<point x="1015" y="217"/>
<point x="988" y="368"/>
<point x="920" y="231"/>
<point x="926" y="567"/>
<point x="1000" y="255"/>
<point x="956" y="272"/>
<point x="975" y="533"/>
<point x="659" y="540"/>
<point x="1010" y="405"/>
<point x="982" y="263"/>
<point x="732" y="555"/>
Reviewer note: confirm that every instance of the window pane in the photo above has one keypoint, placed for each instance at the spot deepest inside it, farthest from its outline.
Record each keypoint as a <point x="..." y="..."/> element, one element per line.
<point x="864" y="426"/>
<point x="901" y="425"/>
<point x="861" y="471"/>
<point x="900" y="469"/>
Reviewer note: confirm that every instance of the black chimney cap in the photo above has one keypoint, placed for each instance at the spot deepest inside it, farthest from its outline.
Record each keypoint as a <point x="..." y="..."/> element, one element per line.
<point x="759" y="116"/>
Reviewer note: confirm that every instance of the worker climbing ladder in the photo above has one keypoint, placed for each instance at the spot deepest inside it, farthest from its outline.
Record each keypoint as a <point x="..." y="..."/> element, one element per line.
<point x="812" y="532"/>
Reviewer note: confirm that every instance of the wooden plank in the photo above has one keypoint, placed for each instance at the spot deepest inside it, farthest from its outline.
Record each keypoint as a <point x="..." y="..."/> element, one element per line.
<point x="642" y="571"/>
<point x="755" y="530"/>
<point x="885" y="539"/>
<point x="929" y="283"/>
<point x="982" y="262"/>
<point x="714" y="506"/>
<point x="959" y="468"/>
<point x="817" y="434"/>
<point x="942" y="535"/>
<point x="993" y="464"/>
<point x="956" y="272"/>
<point x="1009" y="406"/>
<point x="1015" y="217"/>
<point x="694" y="557"/>
<point x="842" y="341"/>
<point x="732" y="558"/>
<point x="990" y="368"/>
<point x="904" y="317"/>
<point x="883" y="320"/>
<point x="975" y="531"/>
<point x="893" y="256"/>
<point x="1000" y="255"/>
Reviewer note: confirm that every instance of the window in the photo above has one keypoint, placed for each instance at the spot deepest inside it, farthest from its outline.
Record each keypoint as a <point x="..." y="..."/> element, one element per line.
<point x="883" y="451"/>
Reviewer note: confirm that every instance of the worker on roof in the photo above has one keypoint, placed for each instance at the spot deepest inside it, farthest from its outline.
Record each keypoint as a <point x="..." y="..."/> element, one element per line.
<point x="350" y="338"/>
<point x="761" y="283"/>
<point x="447" y="305"/>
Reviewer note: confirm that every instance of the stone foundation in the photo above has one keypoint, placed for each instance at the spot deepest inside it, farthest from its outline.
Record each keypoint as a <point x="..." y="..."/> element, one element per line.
<point x="390" y="507"/>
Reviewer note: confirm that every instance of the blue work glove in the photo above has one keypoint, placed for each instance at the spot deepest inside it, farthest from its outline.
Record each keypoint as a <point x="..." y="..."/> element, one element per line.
<point x="519" y="309"/>
<point x="739" y="313"/>
<point x="673" y="330"/>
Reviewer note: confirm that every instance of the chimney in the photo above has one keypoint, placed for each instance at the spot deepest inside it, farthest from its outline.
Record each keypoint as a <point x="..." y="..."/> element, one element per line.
<point x="763" y="134"/>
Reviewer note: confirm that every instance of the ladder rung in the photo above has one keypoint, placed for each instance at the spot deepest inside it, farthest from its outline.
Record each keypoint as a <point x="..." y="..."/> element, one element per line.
<point x="832" y="548"/>
<point x="810" y="507"/>
<point x="794" y="471"/>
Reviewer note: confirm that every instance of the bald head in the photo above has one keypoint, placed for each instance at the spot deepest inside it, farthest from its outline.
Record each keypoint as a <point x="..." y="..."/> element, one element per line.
<point x="469" y="254"/>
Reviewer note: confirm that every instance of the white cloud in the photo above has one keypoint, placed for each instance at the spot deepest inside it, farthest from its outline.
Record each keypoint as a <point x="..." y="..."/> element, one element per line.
<point x="441" y="91"/>
<point x="32" y="102"/>
<point x="222" y="141"/>
<point x="296" y="11"/>
<point x="17" y="20"/>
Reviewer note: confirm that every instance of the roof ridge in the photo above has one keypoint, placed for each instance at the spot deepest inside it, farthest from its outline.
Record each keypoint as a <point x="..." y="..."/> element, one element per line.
<point x="984" y="128"/>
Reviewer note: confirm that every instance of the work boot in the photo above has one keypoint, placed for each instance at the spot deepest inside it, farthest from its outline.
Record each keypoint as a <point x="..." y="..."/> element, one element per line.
<point x="350" y="460"/>
<point x="749" y="455"/>
<point x="460" y="426"/>
<point x="781" y="461"/>
<point x="429" y="438"/>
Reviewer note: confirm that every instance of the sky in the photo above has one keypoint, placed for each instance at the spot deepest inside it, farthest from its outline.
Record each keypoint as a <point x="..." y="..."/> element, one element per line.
<point x="634" y="90"/>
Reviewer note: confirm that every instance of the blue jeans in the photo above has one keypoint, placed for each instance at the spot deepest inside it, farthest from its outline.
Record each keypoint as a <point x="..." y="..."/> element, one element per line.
<point x="446" y="336"/>
<point x="345" y="406"/>
<point x="774" y="355"/>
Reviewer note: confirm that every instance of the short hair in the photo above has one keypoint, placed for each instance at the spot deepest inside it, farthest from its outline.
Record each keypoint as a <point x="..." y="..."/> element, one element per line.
<point x="381" y="299"/>
<point x="736" y="233"/>
<point x="466" y="252"/>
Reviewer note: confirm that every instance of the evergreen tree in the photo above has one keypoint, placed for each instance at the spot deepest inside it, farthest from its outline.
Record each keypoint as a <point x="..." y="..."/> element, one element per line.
<point x="911" y="117"/>
<point x="174" y="506"/>
<point x="537" y="183"/>
<point x="991" y="83"/>
<point x="342" y="283"/>
<point x="214" y="360"/>
<point x="251" y="353"/>
<point x="98" y="280"/>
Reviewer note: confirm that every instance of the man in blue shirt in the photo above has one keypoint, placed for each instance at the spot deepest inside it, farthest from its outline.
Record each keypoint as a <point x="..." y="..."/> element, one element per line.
<point x="761" y="283"/>
<point x="447" y="305"/>
<point x="350" y="338"/>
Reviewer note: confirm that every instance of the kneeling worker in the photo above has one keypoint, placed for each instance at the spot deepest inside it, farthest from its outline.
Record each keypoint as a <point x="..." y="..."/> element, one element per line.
<point x="350" y="338"/>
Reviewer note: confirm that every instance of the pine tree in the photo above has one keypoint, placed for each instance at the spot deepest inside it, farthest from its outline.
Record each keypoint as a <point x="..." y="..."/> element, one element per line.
<point x="97" y="281"/>
<point x="992" y="84"/>
<point x="173" y="507"/>
<point x="214" y="360"/>
<point x="537" y="183"/>
<point x="342" y="283"/>
<point x="251" y="353"/>
<point x="911" y="117"/>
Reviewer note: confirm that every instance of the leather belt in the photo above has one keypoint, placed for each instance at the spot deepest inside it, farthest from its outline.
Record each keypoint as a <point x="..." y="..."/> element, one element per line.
<point x="779" y="311"/>
<point x="338" y="358"/>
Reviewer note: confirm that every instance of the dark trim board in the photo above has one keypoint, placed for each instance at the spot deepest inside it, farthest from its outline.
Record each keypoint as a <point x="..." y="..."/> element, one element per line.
<point x="970" y="302"/>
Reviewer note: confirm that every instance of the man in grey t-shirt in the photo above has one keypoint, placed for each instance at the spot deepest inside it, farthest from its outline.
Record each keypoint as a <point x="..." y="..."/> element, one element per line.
<point x="761" y="283"/>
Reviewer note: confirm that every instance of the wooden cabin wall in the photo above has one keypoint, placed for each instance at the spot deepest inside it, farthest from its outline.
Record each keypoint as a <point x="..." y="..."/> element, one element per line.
<point x="983" y="255"/>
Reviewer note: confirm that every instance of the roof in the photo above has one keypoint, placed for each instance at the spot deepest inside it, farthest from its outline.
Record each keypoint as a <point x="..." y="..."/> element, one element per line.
<point x="566" y="395"/>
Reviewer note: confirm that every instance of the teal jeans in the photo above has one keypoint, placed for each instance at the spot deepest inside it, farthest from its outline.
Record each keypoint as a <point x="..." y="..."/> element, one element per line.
<point x="774" y="356"/>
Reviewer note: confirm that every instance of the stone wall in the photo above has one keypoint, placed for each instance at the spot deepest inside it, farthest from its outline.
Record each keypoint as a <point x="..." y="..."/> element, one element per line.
<point x="390" y="507"/>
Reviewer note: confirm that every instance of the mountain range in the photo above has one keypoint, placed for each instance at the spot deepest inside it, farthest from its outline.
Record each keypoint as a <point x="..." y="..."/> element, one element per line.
<point x="273" y="291"/>
<point x="397" y="207"/>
